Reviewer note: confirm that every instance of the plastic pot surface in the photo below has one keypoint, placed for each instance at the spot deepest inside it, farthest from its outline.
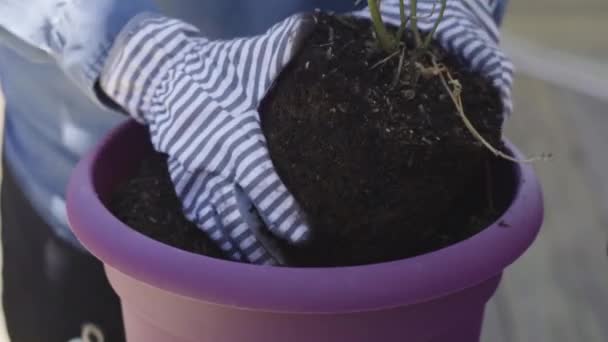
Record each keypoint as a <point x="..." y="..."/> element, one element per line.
<point x="171" y="295"/>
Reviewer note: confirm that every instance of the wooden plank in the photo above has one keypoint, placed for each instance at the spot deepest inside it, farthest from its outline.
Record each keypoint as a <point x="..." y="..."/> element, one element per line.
<point x="581" y="33"/>
<point x="557" y="6"/>
<point x="559" y="290"/>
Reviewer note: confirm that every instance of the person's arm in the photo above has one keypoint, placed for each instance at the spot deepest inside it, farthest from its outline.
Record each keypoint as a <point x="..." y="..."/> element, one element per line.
<point x="77" y="34"/>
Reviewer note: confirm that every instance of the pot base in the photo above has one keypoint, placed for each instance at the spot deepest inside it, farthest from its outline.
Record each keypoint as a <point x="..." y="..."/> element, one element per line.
<point x="456" y="318"/>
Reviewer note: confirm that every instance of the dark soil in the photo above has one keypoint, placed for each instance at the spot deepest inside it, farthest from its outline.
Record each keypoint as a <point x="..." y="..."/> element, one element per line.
<point x="148" y="204"/>
<point x="383" y="172"/>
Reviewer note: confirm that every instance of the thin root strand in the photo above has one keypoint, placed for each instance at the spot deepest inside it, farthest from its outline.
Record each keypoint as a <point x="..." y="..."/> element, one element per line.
<point x="383" y="61"/>
<point x="454" y="89"/>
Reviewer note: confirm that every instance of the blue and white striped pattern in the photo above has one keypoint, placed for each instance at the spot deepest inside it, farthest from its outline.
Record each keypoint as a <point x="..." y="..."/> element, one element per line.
<point x="469" y="31"/>
<point x="199" y="99"/>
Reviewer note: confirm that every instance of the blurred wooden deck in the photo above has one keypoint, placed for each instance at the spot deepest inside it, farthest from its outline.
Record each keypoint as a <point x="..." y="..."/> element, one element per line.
<point x="578" y="27"/>
<point x="558" y="292"/>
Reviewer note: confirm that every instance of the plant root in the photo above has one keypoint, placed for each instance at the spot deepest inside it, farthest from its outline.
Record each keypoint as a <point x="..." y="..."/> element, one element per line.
<point x="454" y="89"/>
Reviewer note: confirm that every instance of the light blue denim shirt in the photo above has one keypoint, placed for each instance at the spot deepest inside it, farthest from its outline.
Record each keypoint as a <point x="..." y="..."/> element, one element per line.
<point x="50" y="121"/>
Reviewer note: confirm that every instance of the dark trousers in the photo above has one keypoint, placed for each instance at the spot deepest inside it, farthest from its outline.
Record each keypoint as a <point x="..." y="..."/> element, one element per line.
<point x="50" y="288"/>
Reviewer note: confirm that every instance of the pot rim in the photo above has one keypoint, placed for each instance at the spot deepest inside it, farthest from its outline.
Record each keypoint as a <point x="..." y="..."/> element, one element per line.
<point x="296" y="290"/>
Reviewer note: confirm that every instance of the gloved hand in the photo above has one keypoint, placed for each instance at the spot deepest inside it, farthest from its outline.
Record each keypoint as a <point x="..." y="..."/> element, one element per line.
<point x="469" y="30"/>
<point x="199" y="99"/>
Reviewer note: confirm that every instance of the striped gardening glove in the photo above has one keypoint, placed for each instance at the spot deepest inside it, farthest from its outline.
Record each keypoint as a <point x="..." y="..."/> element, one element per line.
<point x="469" y="30"/>
<point x="199" y="99"/>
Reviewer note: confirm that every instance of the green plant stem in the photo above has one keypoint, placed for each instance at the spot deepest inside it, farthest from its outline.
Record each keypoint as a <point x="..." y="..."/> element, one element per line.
<point x="427" y="40"/>
<point x="414" y="18"/>
<point x="404" y="20"/>
<point x="387" y="41"/>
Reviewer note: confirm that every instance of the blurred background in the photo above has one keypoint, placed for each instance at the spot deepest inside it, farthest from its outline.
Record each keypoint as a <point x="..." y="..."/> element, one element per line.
<point x="559" y="290"/>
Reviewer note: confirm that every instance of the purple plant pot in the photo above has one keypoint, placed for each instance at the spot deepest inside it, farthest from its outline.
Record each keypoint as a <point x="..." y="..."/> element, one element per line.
<point x="171" y="295"/>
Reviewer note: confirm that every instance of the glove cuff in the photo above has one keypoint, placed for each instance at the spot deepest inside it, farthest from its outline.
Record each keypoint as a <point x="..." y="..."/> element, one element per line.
<point x="130" y="75"/>
<point x="80" y="37"/>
